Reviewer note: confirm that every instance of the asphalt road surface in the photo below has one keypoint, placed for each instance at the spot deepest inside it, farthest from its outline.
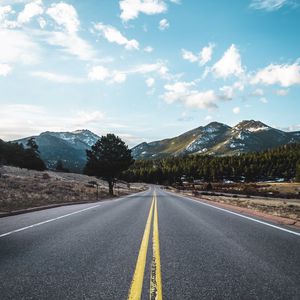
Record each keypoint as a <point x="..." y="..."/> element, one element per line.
<point x="152" y="245"/>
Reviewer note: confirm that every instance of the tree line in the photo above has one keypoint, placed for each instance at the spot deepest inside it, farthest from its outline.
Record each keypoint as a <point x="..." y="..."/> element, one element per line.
<point x="282" y="162"/>
<point x="14" y="154"/>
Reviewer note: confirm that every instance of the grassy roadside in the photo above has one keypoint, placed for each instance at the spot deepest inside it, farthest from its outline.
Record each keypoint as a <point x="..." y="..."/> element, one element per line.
<point x="23" y="189"/>
<point x="285" y="208"/>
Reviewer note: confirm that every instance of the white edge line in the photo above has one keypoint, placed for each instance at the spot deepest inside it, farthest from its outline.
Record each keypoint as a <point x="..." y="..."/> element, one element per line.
<point x="237" y="214"/>
<point x="61" y="217"/>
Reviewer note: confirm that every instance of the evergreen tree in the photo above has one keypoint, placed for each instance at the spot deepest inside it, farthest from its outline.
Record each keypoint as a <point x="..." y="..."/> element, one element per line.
<point x="14" y="154"/>
<point x="31" y="143"/>
<point x="266" y="165"/>
<point x="108" y="158"/>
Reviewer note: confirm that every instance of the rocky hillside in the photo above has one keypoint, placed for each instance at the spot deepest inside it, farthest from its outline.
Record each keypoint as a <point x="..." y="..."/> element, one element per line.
<point x="218" y="139"/>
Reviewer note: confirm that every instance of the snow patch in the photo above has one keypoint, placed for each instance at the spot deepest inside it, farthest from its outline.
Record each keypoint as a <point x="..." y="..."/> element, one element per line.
<point x="255" y="129"/>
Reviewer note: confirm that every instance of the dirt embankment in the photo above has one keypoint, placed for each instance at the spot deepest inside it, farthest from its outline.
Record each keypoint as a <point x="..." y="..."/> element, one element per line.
<point x="23" y="189"/>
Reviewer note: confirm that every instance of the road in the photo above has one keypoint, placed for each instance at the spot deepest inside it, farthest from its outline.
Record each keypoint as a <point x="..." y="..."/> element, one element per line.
<point x="152" y="243"/>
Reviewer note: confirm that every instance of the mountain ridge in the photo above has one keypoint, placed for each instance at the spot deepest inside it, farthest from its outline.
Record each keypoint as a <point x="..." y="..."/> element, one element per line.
<point x="69" y="147"/>
<point x="214" y="138"/>
<point x="218" y="139"/>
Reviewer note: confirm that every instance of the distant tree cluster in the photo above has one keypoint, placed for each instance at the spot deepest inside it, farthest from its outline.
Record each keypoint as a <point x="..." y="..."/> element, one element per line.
<point x="282" y="162"/>
<point x="14" y="154"/>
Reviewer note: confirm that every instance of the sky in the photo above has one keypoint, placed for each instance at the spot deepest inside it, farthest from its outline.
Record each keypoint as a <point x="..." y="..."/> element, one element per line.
<point x="147" y="69"/>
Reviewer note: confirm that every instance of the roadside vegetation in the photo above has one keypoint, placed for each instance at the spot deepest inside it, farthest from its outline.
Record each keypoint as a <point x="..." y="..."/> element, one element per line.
<point x="14" y="154"/>
<point x="277" y="164"/>
<point x="277" y="206"/>
<point x="22" y="188"/>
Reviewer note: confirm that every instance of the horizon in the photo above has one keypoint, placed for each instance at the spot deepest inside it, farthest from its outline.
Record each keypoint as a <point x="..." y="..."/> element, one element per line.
<point x="131" y="146"/>
<point x="145" y="74"/>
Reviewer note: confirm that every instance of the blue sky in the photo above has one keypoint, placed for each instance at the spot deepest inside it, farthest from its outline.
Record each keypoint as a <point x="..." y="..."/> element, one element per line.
<point x="147" y="69"/>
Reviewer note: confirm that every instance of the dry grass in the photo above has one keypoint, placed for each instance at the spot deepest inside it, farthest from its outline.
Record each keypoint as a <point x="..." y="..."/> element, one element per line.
<point x="282" y="208"/>
<point x="281" y="187"/>
<point x="21" y="188"/>
<point x="287" y="208"/>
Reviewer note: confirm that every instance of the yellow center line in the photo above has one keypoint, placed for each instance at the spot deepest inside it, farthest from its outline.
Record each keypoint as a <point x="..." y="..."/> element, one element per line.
<point x="138" y="277"/>
<point x="155" y="281"/>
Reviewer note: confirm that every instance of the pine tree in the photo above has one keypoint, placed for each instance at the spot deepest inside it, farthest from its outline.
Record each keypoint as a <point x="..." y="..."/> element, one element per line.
<point x="108" y="158"/>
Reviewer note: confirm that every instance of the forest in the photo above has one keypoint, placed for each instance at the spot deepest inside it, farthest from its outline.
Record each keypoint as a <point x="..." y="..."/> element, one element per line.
<point x="14" y="154"/>
<point x="280" y="163"/>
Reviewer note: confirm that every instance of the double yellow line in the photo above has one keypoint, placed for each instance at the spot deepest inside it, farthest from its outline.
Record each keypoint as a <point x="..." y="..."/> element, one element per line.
<point x="135" y="291"/>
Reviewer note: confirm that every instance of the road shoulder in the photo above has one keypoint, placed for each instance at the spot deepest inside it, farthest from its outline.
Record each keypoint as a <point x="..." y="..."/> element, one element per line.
<point x="244" y="211"/>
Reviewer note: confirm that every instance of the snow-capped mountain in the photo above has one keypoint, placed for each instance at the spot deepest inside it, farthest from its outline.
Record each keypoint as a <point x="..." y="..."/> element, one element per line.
<point x="218" y="139"/>
<point x="69" y="147"/>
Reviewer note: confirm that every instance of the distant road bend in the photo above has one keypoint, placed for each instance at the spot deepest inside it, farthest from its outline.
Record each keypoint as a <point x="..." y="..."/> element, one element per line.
<point x="151" y="245"/>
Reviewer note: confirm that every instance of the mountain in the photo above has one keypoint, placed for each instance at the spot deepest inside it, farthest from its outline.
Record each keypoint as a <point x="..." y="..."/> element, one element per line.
<point x="218" y="139"/>
<point x="70" y="147"/>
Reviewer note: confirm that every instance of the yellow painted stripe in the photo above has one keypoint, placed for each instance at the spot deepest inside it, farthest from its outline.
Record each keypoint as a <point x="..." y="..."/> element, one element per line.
<point x="135" y="291"/>
<point x="155" y="281"/>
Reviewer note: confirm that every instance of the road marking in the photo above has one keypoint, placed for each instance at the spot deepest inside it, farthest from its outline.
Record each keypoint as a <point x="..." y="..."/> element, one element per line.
<point x="136" y="287"/>
<point x="242" y="216"/>
<point x="61" y="217"/>
<point x="155" y="280"/>
<point x="47" y="221"/>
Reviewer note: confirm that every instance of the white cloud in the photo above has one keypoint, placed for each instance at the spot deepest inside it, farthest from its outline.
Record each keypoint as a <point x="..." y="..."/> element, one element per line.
<point x="118" y="77"/>
<point x="182" y="91"/>
<point x="59" y="78"/>
<point x="70" y="43"/>
<point x="30" y="10"/>
<point x="64" y="15"/>
<point x="258" y="92"/>
<point x="203" y="57"/>
<point x="42" y="22"/>
<point x="163" y="24"/>
<point x="17" y="46"/>
<point x="159" y="67"/>
<point x="130" y="9"/>
<point x="115" y="36"/>
<point x="100" y="73"/>
<point x="206" y="54"/>
<point x="5" y="69"/>
<point x="177" y="91"/>
<point x="239" y="85"/>
<point x="5" y="12"/>
<point x="284" y="75"/>
<point x="83" y="118"/>
<point x="269" y="5"/>
<point x="227" y="92"/>
<point x="282" y="92"/>
<point x="229" y="64"/>
<point x="150" y="82"/>
<point x="236" y="110"/>
<point x="21" y="120"/>
<point x="208" y="118"/>
<point x="188" y="55"/>
<point x="201" y="100"/>
<point x="148" y="49"/>
<point x="263" y="100"/>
